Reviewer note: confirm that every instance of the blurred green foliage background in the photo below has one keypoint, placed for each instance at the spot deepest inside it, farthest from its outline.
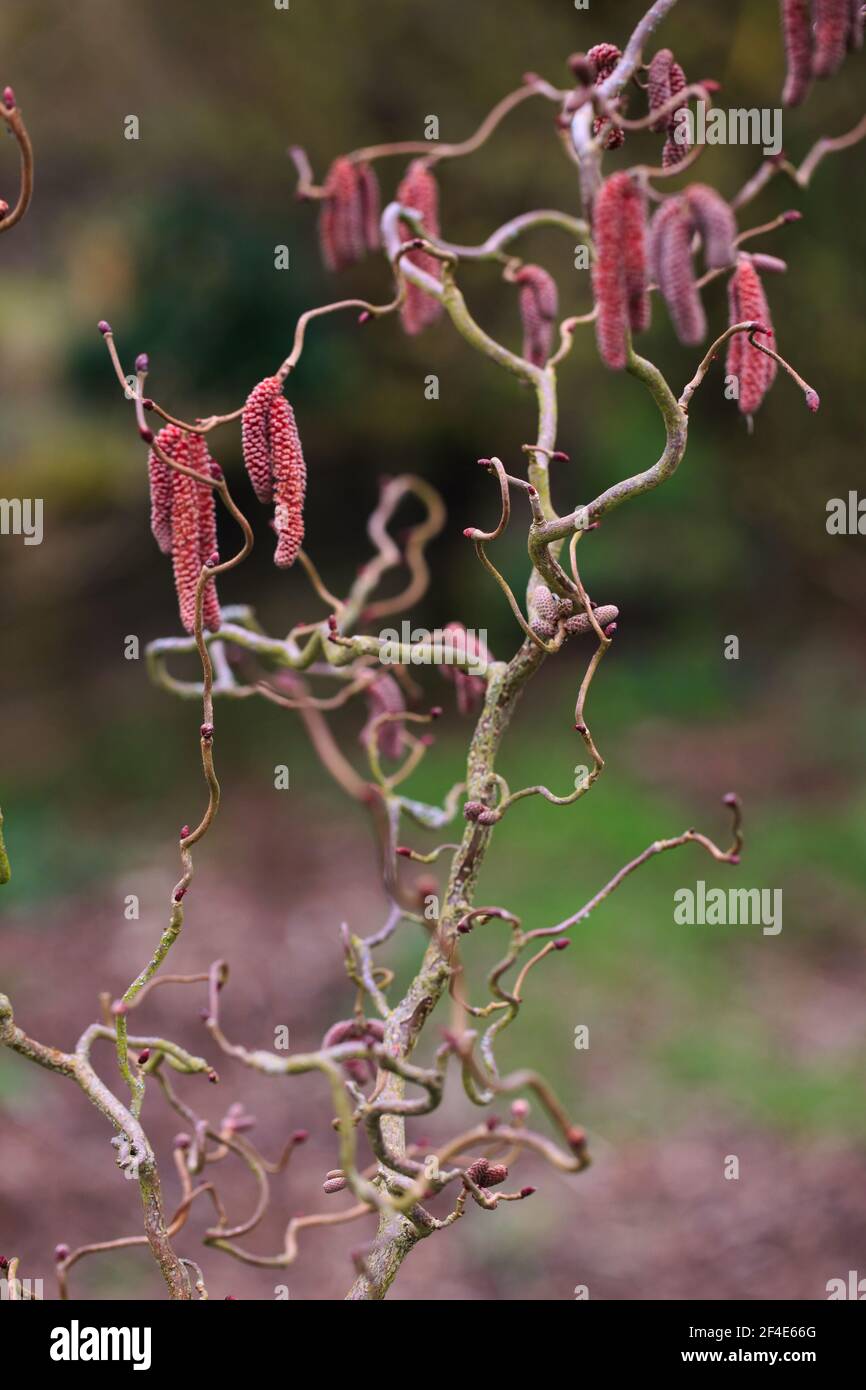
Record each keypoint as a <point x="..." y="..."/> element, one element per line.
<point x="172" y="238"/>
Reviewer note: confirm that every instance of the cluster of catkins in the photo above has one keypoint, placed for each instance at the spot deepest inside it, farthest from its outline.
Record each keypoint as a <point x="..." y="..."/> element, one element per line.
<point x="817" y="37"/>
<point x="630" y="252"/>
<point x="274" y="461"/>
<point x="183" y="518"/>
<point x="349" y="226"/>
<point x="549" y="610"/>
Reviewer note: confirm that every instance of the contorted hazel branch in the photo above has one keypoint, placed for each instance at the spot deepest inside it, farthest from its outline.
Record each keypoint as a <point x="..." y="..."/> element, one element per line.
<point x="11" y="116"/>
<point x="381" y="1080"/>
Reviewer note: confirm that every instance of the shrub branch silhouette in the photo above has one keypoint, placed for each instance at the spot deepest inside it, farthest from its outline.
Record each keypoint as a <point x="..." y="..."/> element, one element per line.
<point x="366" y="1059"/>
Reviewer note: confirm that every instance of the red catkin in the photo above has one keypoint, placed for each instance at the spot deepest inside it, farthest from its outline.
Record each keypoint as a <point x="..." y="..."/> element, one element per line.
<point x="832" y="24"/>
<point x="671" y="260"/>
<point x="343" y="229"/>
<point x="193" y="526"/>
<point x="675" y="150"/>
<point x="290" y="482"/>
<point x="539" y="303"/>
<point x="469" y="687"/>
<point x="716" y="223"/>
<point x="160" y="486"/>
<point x="384" y="696"/>
<point x="797" y="35"/>
<point x="659" y="86"/>
<point x="604" y="58"/>
<point x="754" y="370"/>
<point x="619" y="273"/>
<point x="634" y="259"/>
<point x="420" y="191"/>
<point x="254" y="435"/>
<point x="274" y="460"/>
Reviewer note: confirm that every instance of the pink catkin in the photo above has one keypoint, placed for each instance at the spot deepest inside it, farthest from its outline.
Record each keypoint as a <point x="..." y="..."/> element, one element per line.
<point x="343" y="230"/>
<point x="659" y="86"/>
<point x="675" y="151"/>
<point x="419" y="190"/>
<point x="604" y="58"/>
<point x="797" y="35"/>
<point x="160" y="476"/>
<point x="832" y="25"/>
<point x="716" y="223"/>
<point x="671" y="257"/>
<point x="634" y="259"/>
<point x="619" y="273"/>
<point x="290" y="482"/>
<point x="755" y="372"/>
<point x="539" y="303"/>
<point x="255" y="438"/>
<point x="274" y="460"/>
<point x="384" y="696"/>
<point x="193" y="526"/>
<point x="468" y="687"/>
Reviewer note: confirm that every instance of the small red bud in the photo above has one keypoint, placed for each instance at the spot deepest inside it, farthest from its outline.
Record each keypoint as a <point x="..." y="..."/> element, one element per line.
<point x="526" y="1191"/>
<point x="734" y="859"/>
<point x="206" y="732"/>
<point x="364" y="316"/>
<point x="9" y="98"/>
<point x="118" y="1008"/>
<point x="61" y="1253"/>
<point x="184" y="831"/>
<point x="300" y="1136"/>
<point x="561" y="943"/>
<point x="213" y="1078"/>
<point x="180" y="894"/>
<point x="813" y="400"/>
<point x="147" y="403"/>
<point x="435" y="711"/>
<point x="182" y="1141"/>
<point x="560" y="456"/>
<point x="146" y="434"/>
<point x="143" y="1056"/>
<point x="520" y="1109"/>
<point x="492" y="1122"/>
<point x="792" y="215"/>
<point x="332" y="622"/>
<point x="4" y="1263"/>
<point x="730" y="799"/>
<point x="610" y="629"/>
<point x="142" y="362"/>
<point x="104" y="327"/>
<point x="404" y="851"/>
